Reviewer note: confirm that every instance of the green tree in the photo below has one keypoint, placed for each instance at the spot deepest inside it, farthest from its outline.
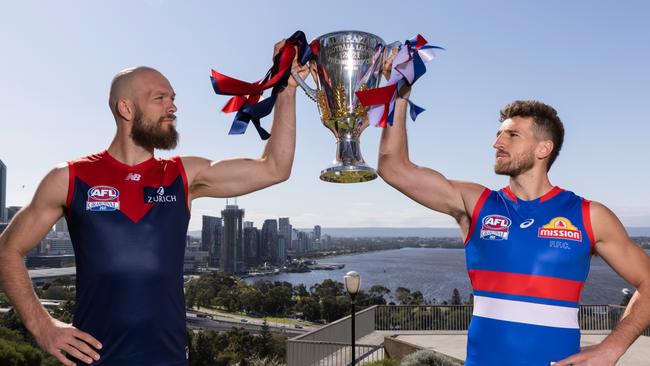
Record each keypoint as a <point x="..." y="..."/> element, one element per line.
<point x="378" y="293"/>
<point x="250" y="299"/>
<point x="300" y="291"/>
<point x="327" y="288"/>
<point x="403" y="295"/>
<point x="278" y="300"/>
<point x="203" y="350"/>
<point x="309" y="307"/>
<point x="12" y="321"/>
<point x="240" y="344"/>
<point x="455" y="297"/>
<point x="228" y="298"/>
<point x="264" y="341"/>
<point x="64" y="281"/>
<point x="19" y="354"/>
<point x="64" y="312"/>
<point x="191" y="299"/>
<point x="334" y="308"/>
<point x="470" y="300"/>
<point x="4" y="300"/>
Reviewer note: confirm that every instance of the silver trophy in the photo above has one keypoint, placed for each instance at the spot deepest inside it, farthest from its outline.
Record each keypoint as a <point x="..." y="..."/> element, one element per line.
<point x="348" y="61"/>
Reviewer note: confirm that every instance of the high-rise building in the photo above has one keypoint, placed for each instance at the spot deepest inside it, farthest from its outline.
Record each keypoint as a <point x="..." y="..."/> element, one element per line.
<point x="251" y="246"/>
<point x="316" y="242"/>
<point x="269" y="241"/>
<point x="295" y="243"/>
<point x="317" y="231"/>
<point x="211" y="237"/>
<point x="325" y="241"/>
<point x="284" y="229"/>
<point x="213" y="258"/>
<point x="281" y="251"/>
<point x="59" y="245"/>
<point x="248" y="224"/>
<point x="12" y="211"/>
<point x="302" y="242"/>
<point x="232" y="248"/>
<point x="3" y="192"/>
<point x="61" y="226"/>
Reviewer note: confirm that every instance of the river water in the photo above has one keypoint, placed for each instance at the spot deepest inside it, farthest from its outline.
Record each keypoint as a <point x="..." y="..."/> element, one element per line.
<point x="436" y="272"/>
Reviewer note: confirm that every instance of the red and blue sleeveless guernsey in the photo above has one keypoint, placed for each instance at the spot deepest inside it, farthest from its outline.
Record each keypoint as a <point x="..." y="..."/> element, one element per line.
<point x="128" y="226"/>
<point x="527" y="262"/>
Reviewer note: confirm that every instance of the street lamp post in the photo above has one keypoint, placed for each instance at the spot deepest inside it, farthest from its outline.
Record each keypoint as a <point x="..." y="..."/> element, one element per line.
<point x="352" y="282"/>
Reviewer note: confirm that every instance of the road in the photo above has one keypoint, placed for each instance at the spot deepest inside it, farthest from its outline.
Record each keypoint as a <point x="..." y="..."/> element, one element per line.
<point x="222" y="326"/>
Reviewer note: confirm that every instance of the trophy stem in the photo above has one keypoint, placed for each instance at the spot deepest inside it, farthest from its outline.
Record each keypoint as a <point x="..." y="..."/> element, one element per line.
<point x="349" y="166"/>
<point x="348" y="150"/>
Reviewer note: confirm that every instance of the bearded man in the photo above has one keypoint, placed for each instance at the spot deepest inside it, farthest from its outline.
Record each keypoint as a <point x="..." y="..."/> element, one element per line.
<point x="128" y="213"/>
<point x="528" y="246"/>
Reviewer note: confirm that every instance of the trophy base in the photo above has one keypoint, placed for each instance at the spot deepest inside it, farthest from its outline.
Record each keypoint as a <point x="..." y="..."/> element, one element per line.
<point x="348" y="174"/>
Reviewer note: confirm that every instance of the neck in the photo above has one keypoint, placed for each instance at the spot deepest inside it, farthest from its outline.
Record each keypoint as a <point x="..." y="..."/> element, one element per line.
<point x="123" y="149"/>
<point x="530" y="185"/>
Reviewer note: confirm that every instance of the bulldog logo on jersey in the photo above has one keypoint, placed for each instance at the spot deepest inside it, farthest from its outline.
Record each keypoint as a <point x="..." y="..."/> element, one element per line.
<point x="103" y="198"/>
<point x="495" y="227"/>
<point x="560" y="228"/>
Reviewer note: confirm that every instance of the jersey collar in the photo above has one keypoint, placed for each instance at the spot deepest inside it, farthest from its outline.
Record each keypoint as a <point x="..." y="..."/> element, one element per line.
<point x="545" y="197"/>
<point x="104" y="154"/>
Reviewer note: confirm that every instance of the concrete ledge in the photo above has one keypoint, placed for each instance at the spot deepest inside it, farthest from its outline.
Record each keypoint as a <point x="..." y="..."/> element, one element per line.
<point x="397" y="349"/>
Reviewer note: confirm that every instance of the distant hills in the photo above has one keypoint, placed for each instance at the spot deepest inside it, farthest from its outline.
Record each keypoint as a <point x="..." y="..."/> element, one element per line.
<point x="391" y="232"/>
<point x="423" y="232"/>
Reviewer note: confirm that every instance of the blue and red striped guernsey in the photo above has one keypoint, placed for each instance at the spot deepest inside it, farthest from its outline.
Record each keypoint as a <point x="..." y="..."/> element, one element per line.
<point x="128" y="226"/>
<point x="527" y="262"/>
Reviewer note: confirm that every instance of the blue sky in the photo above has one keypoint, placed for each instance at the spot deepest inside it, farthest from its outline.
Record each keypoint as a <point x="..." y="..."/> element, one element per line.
<point x="588" y="59"/>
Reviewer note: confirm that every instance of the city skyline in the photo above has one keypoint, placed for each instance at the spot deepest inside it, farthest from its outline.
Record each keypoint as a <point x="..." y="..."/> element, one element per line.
<point x="587" y="61"/>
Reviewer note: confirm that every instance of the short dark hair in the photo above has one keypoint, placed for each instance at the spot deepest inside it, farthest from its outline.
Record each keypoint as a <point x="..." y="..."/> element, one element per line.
<point x="546" y="121"/>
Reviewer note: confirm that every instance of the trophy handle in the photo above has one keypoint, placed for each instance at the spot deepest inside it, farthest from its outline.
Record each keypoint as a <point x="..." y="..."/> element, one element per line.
<point x="388" y="49"/>
<point x="311" y="92"/>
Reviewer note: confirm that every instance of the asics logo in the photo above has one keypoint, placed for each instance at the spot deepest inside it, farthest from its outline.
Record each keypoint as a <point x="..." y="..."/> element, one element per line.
<point x="526" y="223"/>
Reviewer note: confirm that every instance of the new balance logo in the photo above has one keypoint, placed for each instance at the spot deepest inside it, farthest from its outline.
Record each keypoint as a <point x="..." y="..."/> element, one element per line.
<point x="133" y="176"/>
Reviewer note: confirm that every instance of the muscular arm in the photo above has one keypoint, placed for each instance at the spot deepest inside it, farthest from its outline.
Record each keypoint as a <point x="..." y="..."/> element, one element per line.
<point x="236" y="177"/>
<point x="425" y="186"/>
<point x="24" y="232"/>
<point x="633" y="265"/>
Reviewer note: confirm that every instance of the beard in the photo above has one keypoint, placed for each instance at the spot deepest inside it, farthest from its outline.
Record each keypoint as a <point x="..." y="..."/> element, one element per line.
<point x="516" y="166"/>
<point x="153" y="135"/>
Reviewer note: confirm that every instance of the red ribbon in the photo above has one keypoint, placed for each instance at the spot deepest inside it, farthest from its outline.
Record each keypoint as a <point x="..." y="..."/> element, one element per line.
<point x="378" y="96"/>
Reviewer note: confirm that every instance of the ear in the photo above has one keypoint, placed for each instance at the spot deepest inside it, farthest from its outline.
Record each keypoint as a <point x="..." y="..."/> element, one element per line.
<point x="544" y="149"/>
<point x="125" y="109"/>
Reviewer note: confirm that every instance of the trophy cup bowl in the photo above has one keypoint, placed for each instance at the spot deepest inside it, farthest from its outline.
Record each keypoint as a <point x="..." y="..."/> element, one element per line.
<point x="348" y="61"/>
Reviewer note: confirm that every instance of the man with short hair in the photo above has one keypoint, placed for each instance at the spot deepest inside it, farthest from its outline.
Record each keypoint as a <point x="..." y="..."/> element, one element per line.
<point x="128" y="213"/>
<point x="528" y="246"/>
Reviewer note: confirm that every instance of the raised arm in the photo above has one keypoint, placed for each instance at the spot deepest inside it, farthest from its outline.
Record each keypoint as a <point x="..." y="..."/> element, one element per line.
<point x="425" y="186"/>
<point x="236" y="177"/>
<point x="24" y="232"/>
<point x="633" y="265"/>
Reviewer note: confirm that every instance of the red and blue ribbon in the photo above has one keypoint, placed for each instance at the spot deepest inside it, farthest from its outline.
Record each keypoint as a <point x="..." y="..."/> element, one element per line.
<point x="408" y="66"/>
<point x="247" y="101"/>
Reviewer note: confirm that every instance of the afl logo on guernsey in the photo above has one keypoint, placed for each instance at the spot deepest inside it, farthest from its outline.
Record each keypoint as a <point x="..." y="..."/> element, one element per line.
<point x="103" y="198"/>
<point x="560" y="228"/>
<point x="495" y="227"/>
